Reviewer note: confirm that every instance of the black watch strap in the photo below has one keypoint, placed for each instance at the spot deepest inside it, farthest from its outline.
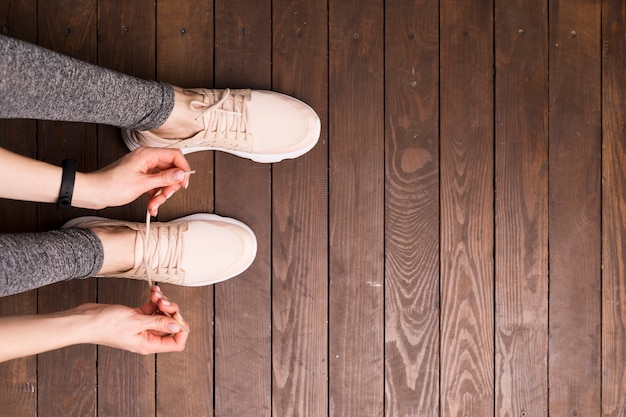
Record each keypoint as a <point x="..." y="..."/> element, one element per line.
<point x="67" y="184"/>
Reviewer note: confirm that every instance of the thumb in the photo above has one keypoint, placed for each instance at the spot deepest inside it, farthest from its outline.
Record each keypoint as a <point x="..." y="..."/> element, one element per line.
<point x="164" y="324"/>
<point x="167" y="177"/>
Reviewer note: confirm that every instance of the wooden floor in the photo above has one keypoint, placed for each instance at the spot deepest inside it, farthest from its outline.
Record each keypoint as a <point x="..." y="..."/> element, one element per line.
<point x="453" y="246"/>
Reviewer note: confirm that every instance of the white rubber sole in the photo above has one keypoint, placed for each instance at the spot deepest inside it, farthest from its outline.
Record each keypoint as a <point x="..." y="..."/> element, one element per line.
<point x="260" y="158"/>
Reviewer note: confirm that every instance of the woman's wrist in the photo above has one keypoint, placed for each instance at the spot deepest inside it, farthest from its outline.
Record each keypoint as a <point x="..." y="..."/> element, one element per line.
<point x="86" y="192"/>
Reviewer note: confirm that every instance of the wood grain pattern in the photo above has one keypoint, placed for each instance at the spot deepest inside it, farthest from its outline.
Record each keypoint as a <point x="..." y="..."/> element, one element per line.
<point x="613" y="209"/>
<point x="126" y="33"/>
<point x="70" y="29"/>
<point x="18" y="378"/>
<point x="299" y="221"/>
<point x="466" y="208"/>
<point x="242" y="309"/>
<point x="412" y="209"/>
<point x="574" y="208"/>
<point x="359" y="303"/>
<point x="185" y="58"/>
<point x="356" y="194"/>
<point x="242" y="191"/>
<point x="521" y="209"/>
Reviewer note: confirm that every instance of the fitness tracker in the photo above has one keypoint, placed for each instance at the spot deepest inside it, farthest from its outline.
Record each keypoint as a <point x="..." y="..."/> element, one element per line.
<point x="67" y="184"/>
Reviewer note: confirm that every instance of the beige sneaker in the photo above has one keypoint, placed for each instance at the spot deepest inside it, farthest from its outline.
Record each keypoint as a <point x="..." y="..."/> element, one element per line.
<point x="200" y="249"/>
<point x="264" y="126"/>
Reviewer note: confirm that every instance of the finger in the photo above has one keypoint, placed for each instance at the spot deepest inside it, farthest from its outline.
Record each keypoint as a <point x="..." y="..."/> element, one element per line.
<point x="149" y="308"/>
<point x="172" y="309"/>
<point x="165" y="178"/>
<point x="167" y="306"/>
<point x="154" y="192"/>
<point x="169" y="190"/>
<point x="156" y="295"/>
<point x="174" y="343"/>
<point x="163" y="324"/>
<point x="154" y="203"/>
<point x="179" y="340"/>
<point x="178" y="159"/>
<point x="183" y="324"/>
<point x="165" y="158"/>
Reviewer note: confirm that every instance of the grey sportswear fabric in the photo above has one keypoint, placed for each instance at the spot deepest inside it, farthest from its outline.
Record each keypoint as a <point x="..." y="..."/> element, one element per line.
<point x="36" y="83"/>
<point x="32" y="260"/>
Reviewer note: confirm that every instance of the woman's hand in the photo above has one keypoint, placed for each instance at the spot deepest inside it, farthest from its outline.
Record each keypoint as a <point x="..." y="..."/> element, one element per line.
<point x="160" y="172"/>
<point x="143" y="330"/>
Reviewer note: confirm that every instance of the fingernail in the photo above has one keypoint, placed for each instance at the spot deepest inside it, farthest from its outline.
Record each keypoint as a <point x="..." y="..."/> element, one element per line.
<point x="173" y="327"/>
<point x="158" y="295"/>
<point x="178" y="175"/>
<point x="155" y="210"/>
<point x="168" y="195"/>
<point x="165" y="302"/>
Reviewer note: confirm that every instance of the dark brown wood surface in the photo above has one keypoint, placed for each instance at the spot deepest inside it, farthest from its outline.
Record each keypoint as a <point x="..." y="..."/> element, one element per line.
<point x="243" y="348"/>
<point x="451" y="247"/>
<point x="613" y="208"/>
<point x="300" y="220"/>
<point x="466" y="189"/>
<point x="356" y="186"/>
<point x="574" y="230"/>
<point x="521" y="127"/>
<point x="412" y="208"/>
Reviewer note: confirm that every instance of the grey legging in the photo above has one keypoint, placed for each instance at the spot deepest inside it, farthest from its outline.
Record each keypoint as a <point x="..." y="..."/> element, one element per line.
<point x="36" y="83"/>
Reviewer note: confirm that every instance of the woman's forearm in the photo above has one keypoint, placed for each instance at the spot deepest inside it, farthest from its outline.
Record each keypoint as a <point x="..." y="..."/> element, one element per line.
<point x="141" y="171"/>
<point x="30" y="335"/>
<point x="142" y="330"/>
<point x="27" y="179"/>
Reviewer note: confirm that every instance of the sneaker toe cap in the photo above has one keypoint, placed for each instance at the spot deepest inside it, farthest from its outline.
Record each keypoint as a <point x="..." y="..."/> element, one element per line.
<point x="215" y="251"/>
<point x="281" y="124"/>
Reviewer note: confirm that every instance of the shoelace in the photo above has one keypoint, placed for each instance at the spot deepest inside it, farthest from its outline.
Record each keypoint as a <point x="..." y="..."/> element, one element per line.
<point x="147" y="263"/>
<point x="227" y="117"/>
<point x="146" y="248"/>
<point x="171" y="261"/>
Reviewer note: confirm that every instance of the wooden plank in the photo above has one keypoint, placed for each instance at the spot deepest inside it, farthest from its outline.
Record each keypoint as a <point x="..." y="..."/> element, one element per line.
<point x="521" y="330"/>
<point x="185" y="58"/>
<point x="18" y="392"/>
<point x="613" y="208"/>
<point x="242" y="191"/>
<point x="356" y="194"/>
<point x="412" y="208"/>
<point x="466" y="70"/>
<point x="574" y="208"/>
<point x="126" y="34"/>
<point x="18" y="378"/>
<point x="300" y="221"/>
<point x="67" y="377"/>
